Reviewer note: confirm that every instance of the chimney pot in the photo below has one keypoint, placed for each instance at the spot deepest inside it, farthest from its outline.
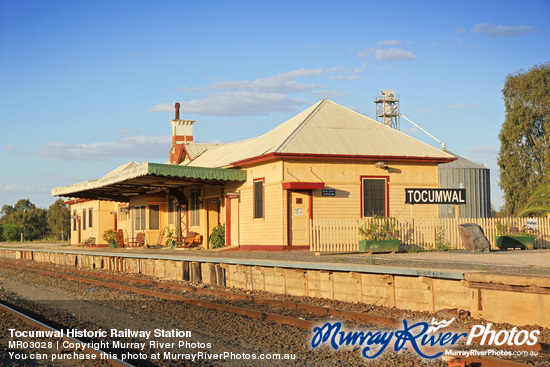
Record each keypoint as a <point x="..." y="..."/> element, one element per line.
<point x="177" y="105"/>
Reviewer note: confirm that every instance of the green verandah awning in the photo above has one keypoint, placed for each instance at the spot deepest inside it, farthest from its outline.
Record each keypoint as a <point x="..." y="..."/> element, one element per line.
<point x="147" y="178"/>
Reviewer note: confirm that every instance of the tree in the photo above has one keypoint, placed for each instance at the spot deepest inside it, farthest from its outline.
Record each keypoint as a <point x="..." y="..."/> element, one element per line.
<point x="538" y="203"/>
<point x="59" y="221"/>
<point x="525" y="135"/>
<point x="30" y="219"/>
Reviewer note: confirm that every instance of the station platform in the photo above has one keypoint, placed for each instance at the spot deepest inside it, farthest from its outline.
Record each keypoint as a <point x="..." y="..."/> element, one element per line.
<point x="501" y="286"/>
<point x="449" y="263"/>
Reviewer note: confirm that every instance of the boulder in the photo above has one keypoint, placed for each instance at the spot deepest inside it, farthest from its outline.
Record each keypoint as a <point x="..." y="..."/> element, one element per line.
<point x="473" y="238"/>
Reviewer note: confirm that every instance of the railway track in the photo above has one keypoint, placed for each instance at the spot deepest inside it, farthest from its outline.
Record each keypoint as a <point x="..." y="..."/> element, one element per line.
<point x="81" y="349"/>
<point x="304" y="316"/>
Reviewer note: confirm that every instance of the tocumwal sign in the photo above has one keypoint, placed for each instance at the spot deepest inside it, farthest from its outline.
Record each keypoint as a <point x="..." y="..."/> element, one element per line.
<point x="435" y="196"/>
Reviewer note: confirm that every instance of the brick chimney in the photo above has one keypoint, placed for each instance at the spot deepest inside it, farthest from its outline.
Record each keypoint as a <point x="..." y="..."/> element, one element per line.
<point x="182" y="133"/>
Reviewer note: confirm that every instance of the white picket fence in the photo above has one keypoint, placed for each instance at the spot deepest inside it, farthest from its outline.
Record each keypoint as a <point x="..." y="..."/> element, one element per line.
<point x="342" y="235"/>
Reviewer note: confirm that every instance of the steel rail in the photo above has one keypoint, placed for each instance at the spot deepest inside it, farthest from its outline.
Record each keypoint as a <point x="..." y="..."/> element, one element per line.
<point x="33" y="322"/>
<point x="317" y="310"/>
<point x="269" y="317"/>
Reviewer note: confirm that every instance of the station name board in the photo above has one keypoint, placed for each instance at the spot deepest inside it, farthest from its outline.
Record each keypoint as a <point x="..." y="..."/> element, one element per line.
<point x="435" y="196"/>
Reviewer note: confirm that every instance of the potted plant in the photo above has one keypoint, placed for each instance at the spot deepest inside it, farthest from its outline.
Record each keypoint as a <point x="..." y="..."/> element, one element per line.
<point x="110" y="236"/>
<point x="379" y="235"/>
<point x="171" y="238"/>
<point x="514" y="237"/>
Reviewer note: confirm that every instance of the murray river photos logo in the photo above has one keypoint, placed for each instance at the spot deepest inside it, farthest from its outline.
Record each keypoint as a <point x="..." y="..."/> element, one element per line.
<point x="422" y="337"/>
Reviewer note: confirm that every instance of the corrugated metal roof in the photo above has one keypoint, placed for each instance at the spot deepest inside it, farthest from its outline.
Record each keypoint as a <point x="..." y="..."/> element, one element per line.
<point x="325" y="128"/>
<point x="146" y="174"/>
<point x="461" y="162"/>
<point x="195" y="149"/>
<point x="201" y="173"/>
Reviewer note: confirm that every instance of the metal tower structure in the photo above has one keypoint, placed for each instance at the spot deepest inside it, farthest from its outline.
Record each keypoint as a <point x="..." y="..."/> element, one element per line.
<point x="387" y="108"/>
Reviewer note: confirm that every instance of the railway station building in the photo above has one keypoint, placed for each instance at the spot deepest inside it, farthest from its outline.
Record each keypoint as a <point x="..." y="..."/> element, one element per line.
<point x="327" y="161"/>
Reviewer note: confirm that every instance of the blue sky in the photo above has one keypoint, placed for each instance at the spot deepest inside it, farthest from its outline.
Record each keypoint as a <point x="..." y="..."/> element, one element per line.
<point x="88" y="85"/>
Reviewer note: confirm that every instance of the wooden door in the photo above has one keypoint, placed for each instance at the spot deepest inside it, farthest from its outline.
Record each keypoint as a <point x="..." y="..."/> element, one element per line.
<point x="232" y="221"/>
<point x="299" y="218"/>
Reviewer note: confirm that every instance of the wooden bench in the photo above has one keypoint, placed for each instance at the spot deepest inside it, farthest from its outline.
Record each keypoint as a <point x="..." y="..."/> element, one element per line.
<point x="193" y="239"/>
<point x="138" y="241"/>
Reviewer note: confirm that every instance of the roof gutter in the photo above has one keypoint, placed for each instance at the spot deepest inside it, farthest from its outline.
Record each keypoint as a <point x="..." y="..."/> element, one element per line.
<point x="271" y="156"/>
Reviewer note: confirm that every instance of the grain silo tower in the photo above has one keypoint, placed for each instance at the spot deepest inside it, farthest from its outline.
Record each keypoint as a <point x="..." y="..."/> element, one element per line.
<point x="465" y="174"/>
<point x="387" y="108"/>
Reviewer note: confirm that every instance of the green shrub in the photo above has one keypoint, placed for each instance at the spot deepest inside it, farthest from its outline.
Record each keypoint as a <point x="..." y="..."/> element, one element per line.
<point x="441" y="242"/>
<point x="11" y="232"/>
<point x="380" y="228"/>
<point x="217" y="238"/>
<point x="110" y="236"/>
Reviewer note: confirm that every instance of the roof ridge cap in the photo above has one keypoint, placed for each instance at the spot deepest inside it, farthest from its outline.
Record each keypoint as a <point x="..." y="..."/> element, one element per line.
<point x="302" y="124"/>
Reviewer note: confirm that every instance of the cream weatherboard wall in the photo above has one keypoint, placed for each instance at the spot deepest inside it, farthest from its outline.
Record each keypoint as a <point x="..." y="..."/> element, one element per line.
<point x="269" y="230"/>
<point x="342" y="176"/>
<point x="102" y="219"/>
<point x="345" y="179"/>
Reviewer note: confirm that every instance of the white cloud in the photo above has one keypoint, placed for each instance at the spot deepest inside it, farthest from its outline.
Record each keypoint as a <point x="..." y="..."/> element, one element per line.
<point x="394" y="54"/>
<point x="426" y="110"/>
<point x="410" y="130"/>
<point x="490" y="30"/>
<point x="459" y="106"/>
<point x="236" y="104"/>
<point x="125" y="132"/>
<point x="162" y="107"/>
<point x="191" y="89"/>
<point x="326" y="94"/>
<point x="138" y="146"/>
<point x="365" y="54"/>
<point x="340" y="78"/>
<point x="386" y="54"/>
<point x="248" y="98"/>
<point x="23" y="189"/>
<point x="280" y="83"/>
<point x="388" y="43"/>
<point x="459" y="30"/>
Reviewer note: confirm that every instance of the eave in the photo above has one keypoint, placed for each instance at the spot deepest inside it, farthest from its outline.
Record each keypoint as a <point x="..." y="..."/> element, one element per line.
<point x="147" y="179"/>
<point x="272" y="156"/>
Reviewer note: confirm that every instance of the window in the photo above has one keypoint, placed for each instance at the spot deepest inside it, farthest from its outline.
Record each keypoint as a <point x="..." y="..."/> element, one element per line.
<point x="74" y="220"/>
<point x="154" y="217"/>
<point x="83" y="218"/>
<point x="139" y="218"/>
<point x="171" y="209"/>
<point x="374" y="197"/>
<point x="123" y="213"/>
<point x="259" y="199"/>
<point x="195" y="207"/>
<point x="90" y="217"/>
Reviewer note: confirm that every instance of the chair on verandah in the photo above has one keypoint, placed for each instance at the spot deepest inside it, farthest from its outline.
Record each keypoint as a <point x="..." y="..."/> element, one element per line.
<point x="120" y="238"/>
<point x="138" y="241"/>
